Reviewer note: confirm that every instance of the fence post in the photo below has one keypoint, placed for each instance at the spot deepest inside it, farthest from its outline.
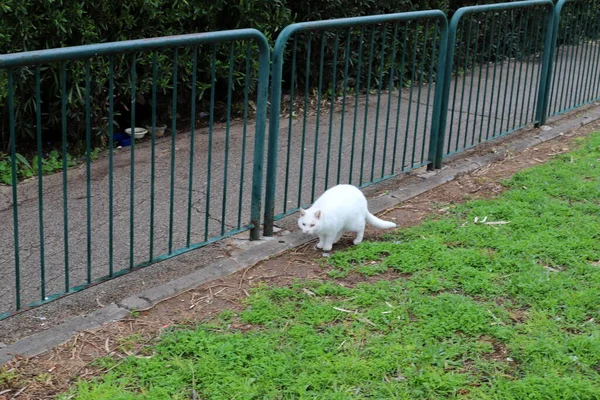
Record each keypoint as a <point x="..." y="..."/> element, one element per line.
<point x="548" y="63"/>
<point x="259" y="140"/>
<point x="439" y="105"/>
<point x="275" y="109"/>
<point x="439" y="125"/>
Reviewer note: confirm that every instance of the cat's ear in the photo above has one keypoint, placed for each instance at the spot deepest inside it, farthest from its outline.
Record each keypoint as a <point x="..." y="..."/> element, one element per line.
<point x="302" y="212"/>
<point x="318" y="214"/>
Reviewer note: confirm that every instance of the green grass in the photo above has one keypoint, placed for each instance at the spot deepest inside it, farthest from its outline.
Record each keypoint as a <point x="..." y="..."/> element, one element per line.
<point x="478" y="311"/>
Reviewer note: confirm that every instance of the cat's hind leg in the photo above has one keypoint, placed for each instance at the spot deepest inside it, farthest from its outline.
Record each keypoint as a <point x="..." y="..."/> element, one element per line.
<point x="359" y="235"/>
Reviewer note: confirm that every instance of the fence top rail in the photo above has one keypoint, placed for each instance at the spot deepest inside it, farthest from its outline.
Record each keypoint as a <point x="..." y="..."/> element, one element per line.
<point x="561" y="3"/>
<point x="463" y="11"/>
<point x="129" y="46"/>
<point x="311" y="26"/>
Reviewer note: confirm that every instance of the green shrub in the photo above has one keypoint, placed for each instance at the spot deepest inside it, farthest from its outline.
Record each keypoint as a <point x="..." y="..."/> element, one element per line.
<point x="36" y="24"/>
<point x="45" y="24"/>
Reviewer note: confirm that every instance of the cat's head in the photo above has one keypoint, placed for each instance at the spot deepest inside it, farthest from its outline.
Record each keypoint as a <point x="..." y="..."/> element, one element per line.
<point x="310" y="221"/>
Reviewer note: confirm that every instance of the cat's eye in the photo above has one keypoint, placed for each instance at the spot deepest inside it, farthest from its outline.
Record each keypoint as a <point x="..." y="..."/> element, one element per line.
<point x="303" y="224"/>
<point x="312" y="225"/>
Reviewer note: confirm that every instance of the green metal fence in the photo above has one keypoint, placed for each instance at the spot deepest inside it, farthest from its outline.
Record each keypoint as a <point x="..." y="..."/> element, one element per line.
<point x="575" y="56"/>
<point x="354" y="100"/>
<point x="130" y="209"/>
<point x="495" y="70"/>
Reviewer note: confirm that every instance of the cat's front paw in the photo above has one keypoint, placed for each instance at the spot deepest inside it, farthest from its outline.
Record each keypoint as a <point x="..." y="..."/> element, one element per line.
<point x="320" y="245"/>
<point x="357" y="241"/>
<point x="327" y="247"/>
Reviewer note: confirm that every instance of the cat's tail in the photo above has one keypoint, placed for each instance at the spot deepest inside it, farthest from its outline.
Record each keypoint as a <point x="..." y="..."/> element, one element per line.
<point x="379" y="223"/>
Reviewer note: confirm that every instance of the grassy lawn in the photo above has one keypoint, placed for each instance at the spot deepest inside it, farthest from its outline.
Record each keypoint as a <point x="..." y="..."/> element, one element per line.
<point x="498" y="299"/>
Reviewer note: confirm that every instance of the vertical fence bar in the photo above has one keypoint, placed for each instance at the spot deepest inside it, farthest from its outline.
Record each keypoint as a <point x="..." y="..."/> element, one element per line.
<point x="65" y="165"/>
<point x="132" y="166"/>
<point x="211" y="120"/>
<point x="193" y="145"/>
<point x="464" y="84"/>
<point x="471" y="71"/>
<point x="490" y="32"/>
<point x="88" y="170"/>
<point x="485" y="23"/>
<point x="466" y="71"/>
<point x="306" y="88"/>
<point x="173" y="139"/>
<point x="516" y="26"/>
<point x="244" y="135"/>
<point x="332" y="107"/>
<point x="38" y="135"/>
<point x="111" y="106"/>
<point x="290" y="124"/>
<point x="576" y="59"/>
<point x="553" y="69"/>
<point x="390" y="91"/>
<point x="370" y="68"/>
<point x="566" y="69"/>
<point x="567" y="82"/>
<point x="524" y="53"/>
<point x="410" y="97"/>
<point x="379" y="86"/>
<point x="421" y="70"/>
<point x="318" y="122"/>
<point x="342" y="118"/>
<point x="527" y="94"/>
<point x="434" y="49"/>
<point x="448" y="79"/>
<point x="356" y="97"/>
<point x="567" y="57"/>
<point x="537" y="76"/>
<point x="504" y="46"/>
<point x="14" y="181"/>
<point x="227" y="135"/>
<point x="400" y="88"/>
<point x="153" y="152"/>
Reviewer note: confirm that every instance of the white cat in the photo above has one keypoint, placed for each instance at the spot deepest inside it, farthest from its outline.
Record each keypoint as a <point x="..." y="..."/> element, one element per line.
<point x="342" y="208"/>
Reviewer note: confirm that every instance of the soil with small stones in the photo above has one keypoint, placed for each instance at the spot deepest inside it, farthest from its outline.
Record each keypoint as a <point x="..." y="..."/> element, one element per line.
<point x="55" y="371"/>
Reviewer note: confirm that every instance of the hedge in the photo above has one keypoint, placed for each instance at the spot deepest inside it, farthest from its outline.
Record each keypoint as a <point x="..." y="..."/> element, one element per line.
<point x="45" y="24"/>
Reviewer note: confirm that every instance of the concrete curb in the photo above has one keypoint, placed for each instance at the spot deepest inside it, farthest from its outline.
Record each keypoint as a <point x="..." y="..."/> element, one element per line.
<point x="46" y="340"/>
